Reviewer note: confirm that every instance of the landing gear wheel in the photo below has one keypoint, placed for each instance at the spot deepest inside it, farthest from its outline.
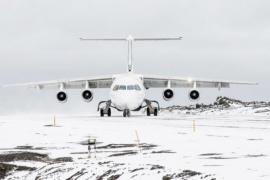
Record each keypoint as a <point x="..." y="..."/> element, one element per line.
<point x="148" y="112"/>
<point x="109" y="112"/>
<point x="155" y="112"/>
<point x="101" y="113"/>
<point x="126" y="113"/>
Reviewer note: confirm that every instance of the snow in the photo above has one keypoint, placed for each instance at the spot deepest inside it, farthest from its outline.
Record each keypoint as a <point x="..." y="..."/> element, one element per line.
<point x="223" y="146"/>
<point x="222" y="106"/>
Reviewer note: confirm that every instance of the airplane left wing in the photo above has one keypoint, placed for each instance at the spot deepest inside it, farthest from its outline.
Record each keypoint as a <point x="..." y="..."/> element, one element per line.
<point x="79" y="83"/>
<point x="157" y="81"/>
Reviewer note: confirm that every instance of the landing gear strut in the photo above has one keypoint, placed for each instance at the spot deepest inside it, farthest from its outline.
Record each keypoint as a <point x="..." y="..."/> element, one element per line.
<point x="106" y="109"/>
<point x="150" y="109"/>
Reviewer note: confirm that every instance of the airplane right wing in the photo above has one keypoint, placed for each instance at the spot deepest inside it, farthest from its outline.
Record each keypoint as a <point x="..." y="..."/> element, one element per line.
<point x="157" y="81"/>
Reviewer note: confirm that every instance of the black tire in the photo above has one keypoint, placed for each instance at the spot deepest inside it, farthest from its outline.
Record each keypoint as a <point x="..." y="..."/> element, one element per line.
<point x="101" y="113"/>
<point x="155" y="112"/>
<point x="109" y="112"/>
<point x="124" y="114"/>
<point x="128" y="113"/>
<point x="148" y="112"/>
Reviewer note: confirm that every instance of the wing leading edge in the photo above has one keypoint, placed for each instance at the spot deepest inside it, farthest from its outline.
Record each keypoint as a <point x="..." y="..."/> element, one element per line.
<point x="78" y="83"/>
<point x="156" y="81"/>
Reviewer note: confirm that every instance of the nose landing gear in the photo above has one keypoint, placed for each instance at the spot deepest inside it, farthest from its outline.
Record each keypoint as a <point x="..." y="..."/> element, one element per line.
<point x="126" y="113"/>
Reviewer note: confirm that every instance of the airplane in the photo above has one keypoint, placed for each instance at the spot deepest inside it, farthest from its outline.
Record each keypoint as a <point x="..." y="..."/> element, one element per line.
<point x="127" y="91"/>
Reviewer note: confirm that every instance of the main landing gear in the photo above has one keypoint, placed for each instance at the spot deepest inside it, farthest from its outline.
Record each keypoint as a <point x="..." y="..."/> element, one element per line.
<point x="106" y="109"/>
<point x="150" y="109"/>
<point x="102" y="112"/>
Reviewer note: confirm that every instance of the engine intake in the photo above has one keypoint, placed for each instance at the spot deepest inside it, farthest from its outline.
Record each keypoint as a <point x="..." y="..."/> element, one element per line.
<point x="194" y="95"/>
<point x="168" y="94"/>
<point x="87" y="95"/>
<point x="62" y="96"/>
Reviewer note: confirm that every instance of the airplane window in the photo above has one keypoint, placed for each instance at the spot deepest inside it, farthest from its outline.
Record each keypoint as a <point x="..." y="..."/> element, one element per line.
<point x="130" y="87"/>
<point x="137" y="87"/>
<point x="116" y="87"/>
<point x="123" y="87"/>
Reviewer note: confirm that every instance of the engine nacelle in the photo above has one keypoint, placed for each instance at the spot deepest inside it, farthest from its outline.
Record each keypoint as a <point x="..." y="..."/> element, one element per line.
<point x="168" y="94"/>
<point x="87" y="95"/>
<point x="194" y="95"/>
<point x="62" y="96"/>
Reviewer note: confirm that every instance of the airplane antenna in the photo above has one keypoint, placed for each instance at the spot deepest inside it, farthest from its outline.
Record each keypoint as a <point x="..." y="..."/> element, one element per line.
<point x="130" y="39"/>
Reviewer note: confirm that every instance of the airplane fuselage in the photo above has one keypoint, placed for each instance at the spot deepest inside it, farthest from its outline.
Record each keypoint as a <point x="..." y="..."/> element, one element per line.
<point x="127" y="92"/>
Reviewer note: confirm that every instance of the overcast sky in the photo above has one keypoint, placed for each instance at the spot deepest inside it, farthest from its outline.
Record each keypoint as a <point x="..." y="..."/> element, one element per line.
<point x="224" y="39"/>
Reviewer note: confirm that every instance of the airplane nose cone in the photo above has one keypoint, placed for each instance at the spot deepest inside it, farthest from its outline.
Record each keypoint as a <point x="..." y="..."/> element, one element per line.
<point x="126" y="101"/>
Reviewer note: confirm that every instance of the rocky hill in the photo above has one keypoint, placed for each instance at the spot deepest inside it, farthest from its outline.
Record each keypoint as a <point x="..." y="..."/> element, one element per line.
<point x="222" y="106"/>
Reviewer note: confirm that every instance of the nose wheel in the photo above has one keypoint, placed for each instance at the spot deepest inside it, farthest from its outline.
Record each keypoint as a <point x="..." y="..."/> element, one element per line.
<point x="126" y="113"/>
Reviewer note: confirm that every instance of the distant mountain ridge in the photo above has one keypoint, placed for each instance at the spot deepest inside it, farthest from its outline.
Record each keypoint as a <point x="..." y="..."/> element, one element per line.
<point x="222" y="106"/>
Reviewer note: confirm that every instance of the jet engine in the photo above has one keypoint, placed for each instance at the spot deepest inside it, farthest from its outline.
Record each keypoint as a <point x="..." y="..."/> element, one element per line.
<point x="168" y="94"/>
<point x="62" y="96"/>
<point x="194" y="95"/>
<point x="87" y="95"/>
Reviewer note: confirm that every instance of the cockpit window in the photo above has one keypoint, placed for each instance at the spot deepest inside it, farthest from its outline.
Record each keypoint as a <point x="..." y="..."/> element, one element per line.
<point x="130" y="87"/>
<point x="123" y="87"/>
<point x="137" y="87"/>
<point x="116" y="87"/>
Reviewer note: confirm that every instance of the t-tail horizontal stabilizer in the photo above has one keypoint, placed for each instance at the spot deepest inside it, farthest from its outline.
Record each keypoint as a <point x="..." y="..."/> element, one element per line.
<point x="130" y="39"/>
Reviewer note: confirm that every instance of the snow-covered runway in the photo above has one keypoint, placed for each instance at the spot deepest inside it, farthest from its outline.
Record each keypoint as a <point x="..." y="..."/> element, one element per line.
<point x="221" y="147"/>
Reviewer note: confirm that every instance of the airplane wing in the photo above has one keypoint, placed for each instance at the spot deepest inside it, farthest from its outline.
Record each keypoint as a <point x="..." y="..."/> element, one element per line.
<point x="78" y="83"/>
<point x="157" y="81"/>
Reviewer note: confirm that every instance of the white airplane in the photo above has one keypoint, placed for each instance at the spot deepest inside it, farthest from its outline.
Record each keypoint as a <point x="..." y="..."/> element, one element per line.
<point x="127" y="91"/>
